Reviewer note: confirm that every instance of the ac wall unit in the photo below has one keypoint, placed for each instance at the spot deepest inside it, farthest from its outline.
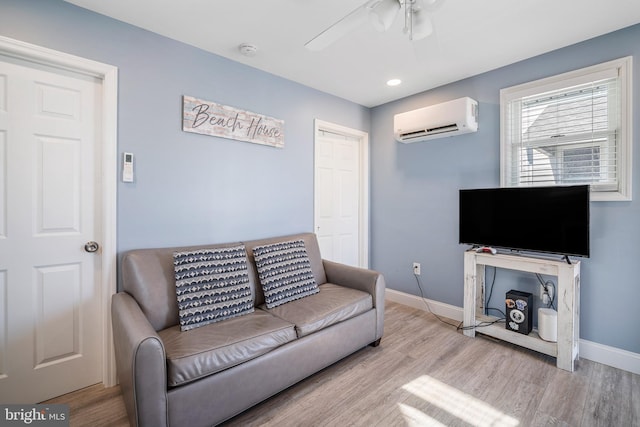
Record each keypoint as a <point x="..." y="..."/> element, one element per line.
<point x="449" y="118"/>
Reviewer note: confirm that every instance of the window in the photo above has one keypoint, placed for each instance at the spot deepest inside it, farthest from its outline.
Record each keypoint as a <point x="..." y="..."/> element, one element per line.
<point x="570" y="129"/>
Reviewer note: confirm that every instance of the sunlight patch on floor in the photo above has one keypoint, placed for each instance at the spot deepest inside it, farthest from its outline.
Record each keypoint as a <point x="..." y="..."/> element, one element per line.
<point x="416" y="418"/>
<point x="463" y="406"/>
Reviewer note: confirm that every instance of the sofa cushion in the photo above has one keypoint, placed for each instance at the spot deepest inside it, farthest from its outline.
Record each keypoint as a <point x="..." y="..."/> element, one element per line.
<point x="215" y="347"/>
<point x="332" y="304"/>
<point x="284" y="271"/>
<point x="211" y="285"/>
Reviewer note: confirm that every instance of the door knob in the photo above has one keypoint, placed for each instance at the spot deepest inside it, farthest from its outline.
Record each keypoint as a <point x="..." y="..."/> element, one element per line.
<point x="91" y="246"/>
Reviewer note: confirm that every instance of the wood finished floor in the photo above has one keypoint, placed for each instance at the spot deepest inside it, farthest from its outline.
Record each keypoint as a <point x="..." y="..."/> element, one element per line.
<point x="425" y="373"/>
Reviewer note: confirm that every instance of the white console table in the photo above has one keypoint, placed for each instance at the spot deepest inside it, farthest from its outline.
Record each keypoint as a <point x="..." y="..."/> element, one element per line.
<point x="567" y="301"/>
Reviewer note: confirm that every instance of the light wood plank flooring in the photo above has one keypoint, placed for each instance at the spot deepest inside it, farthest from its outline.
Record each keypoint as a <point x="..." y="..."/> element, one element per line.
<point x="426" y="373"/>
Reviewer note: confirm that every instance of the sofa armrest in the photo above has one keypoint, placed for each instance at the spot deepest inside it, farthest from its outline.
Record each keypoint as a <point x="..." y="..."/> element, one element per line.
<point x="140" y="363"/>
<point x="363" y="279"/>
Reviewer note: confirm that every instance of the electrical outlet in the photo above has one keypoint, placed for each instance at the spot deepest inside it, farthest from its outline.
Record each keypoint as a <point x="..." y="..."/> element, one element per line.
<point x="546" y="294"/>
<point x="545" y="299"/>
<point x="416" y="268"/>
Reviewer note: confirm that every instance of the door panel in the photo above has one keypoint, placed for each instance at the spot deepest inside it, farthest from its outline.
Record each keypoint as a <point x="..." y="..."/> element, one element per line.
<point x="337" y="196"/>
<point x="57" y="194"/>
<point x="50" y="294"/>
<point x="57" y="313"/>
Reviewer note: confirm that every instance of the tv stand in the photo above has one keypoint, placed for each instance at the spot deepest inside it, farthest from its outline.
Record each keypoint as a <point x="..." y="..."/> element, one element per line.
<point x="568" y="302"/>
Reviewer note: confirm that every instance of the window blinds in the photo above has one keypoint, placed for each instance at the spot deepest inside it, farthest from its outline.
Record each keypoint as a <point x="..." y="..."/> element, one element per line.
<point x="566" y="135"/>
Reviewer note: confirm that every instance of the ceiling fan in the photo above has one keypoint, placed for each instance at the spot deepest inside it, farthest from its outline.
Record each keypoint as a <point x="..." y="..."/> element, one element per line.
<point x="381" y="13"/>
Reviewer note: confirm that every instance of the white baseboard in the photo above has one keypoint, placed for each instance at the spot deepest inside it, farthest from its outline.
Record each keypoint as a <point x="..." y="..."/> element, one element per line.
<point x="439" y="308"/>
<point x="607" y="355"/>
<point x="611" y="356"/>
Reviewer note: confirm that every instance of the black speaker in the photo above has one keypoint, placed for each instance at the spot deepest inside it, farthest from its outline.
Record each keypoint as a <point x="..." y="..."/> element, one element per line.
<point x="519" y="311"/>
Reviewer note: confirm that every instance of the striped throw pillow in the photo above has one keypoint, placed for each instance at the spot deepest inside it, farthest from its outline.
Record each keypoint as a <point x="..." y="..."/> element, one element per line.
<point x="211" y="285"/>
<point x="285" y="272"/>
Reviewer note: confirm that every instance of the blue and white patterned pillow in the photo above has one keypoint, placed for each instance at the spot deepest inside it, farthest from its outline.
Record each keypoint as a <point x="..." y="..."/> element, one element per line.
<point x="211" y="285"/>
<point x="285" y="272"/>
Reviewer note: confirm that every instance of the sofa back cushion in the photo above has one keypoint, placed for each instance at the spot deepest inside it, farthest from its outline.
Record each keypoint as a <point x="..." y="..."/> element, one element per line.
<point x="149" y="276"/>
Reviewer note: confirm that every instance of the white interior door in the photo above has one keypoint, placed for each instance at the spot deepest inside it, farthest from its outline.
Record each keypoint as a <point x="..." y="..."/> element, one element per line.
<point x="51" y="330"/>
<point x="341" y="206"/>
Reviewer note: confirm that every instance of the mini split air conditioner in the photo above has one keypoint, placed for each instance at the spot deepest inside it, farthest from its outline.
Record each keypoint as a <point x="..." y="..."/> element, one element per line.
<point x="437" y="121"/>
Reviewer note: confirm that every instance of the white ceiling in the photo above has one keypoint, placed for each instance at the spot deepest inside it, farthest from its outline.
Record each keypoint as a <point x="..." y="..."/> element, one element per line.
<point x="471" y="37"/>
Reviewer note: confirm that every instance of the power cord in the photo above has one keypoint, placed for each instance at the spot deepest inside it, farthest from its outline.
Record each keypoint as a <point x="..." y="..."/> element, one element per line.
<point x="459" y="326"/>
<point x="424" y="300"/>
<point x="480" y="325"/>
<point x="488" y="301"/>
<point x="545" y="285"/>
<point x="487" y="308"/>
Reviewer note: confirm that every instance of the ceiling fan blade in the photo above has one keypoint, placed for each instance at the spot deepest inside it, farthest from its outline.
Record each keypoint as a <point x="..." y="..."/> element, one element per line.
<point x="340" y="28"/>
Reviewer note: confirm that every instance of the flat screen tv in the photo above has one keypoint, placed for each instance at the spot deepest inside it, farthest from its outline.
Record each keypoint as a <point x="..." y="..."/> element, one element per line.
<point x="536" y="219"/>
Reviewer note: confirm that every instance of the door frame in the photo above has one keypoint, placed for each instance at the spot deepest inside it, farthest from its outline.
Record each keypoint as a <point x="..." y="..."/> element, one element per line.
<point x="107" y="144"/>
<point x="363" y="187"/>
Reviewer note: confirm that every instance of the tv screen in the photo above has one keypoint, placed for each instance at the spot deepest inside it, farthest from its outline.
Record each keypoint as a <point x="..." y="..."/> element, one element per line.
<point x="538" y="219"/>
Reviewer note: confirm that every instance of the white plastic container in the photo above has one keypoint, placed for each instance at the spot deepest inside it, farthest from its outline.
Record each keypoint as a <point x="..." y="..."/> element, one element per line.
<point x="548" y="324"/>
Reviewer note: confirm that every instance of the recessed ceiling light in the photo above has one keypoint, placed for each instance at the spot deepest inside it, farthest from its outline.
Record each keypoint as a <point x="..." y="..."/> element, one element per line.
<point x="394" y="82"/>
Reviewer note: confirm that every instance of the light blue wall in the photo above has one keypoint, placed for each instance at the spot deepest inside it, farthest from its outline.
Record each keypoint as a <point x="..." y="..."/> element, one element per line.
<point x="192" y="189"/>
<point x="189" y="188"/>
<point x="415" y="198"/>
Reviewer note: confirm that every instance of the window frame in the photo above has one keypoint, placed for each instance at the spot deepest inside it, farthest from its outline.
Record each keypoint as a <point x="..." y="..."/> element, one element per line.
<point x="623" y="67"/>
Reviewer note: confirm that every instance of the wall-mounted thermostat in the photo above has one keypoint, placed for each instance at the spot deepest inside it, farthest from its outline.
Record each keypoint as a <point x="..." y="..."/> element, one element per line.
<point x="127" y="167"/>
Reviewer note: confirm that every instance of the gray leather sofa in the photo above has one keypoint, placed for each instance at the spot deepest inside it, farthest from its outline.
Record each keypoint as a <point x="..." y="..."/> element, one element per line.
<point x="207" y="375"/>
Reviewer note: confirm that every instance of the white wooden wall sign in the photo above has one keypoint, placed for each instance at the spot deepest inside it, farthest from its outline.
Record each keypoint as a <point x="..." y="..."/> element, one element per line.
<point x="209" y="118"/>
